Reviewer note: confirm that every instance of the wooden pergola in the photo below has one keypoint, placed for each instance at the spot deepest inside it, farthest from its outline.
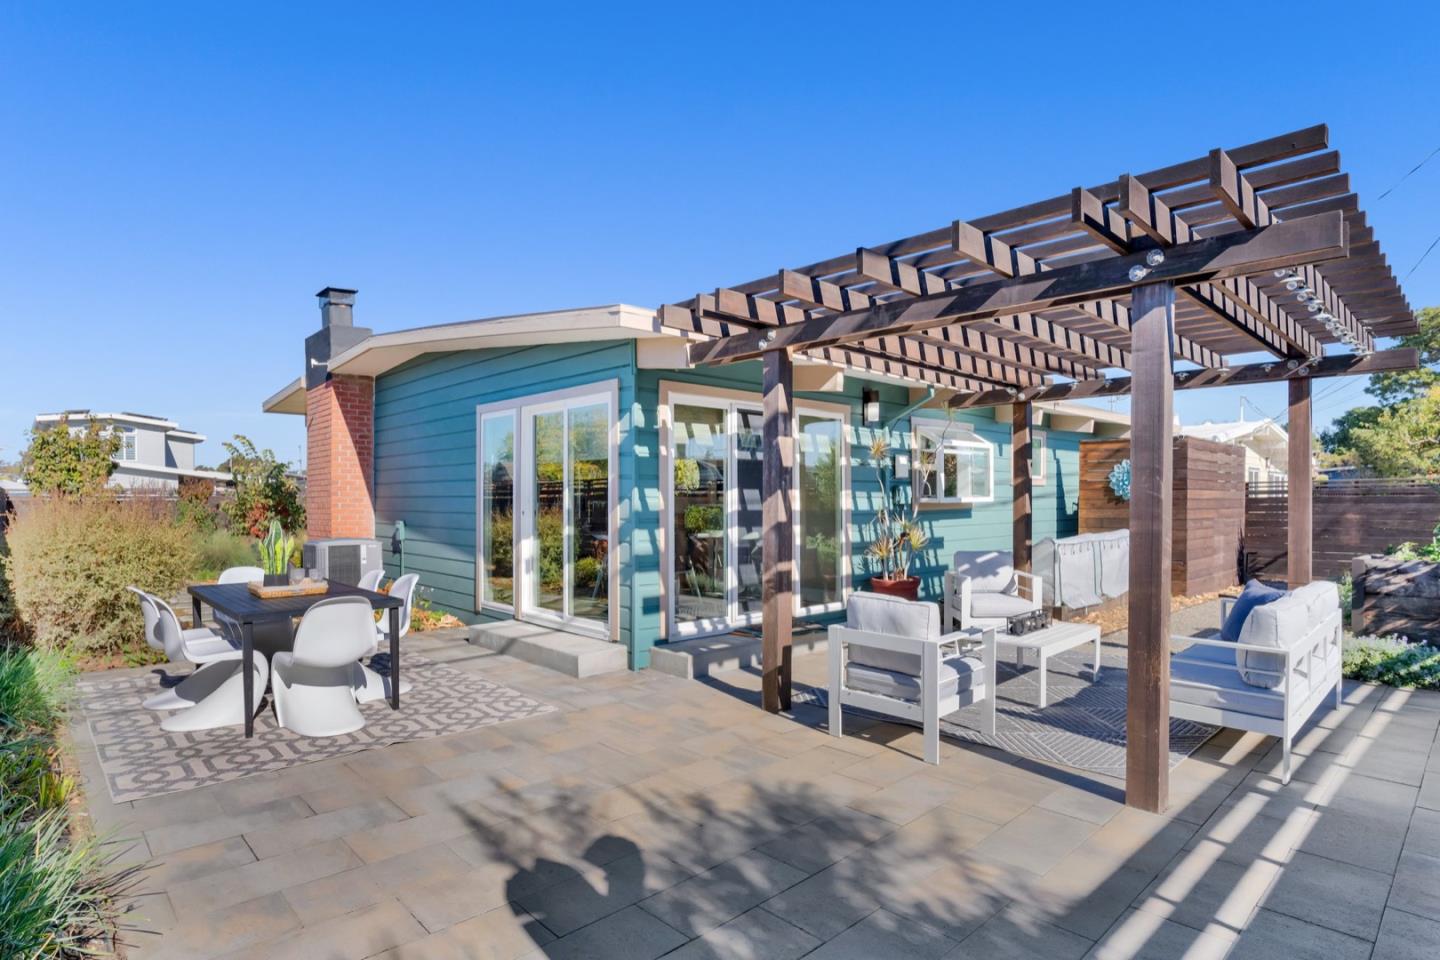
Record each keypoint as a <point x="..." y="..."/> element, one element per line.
<point x="1142" y="285"/>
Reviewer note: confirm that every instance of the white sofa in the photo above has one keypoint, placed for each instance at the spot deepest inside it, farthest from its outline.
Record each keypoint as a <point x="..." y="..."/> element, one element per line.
<point x="983" y="589"/>
<point x="1274" y="677"/>
<point x="1084" y="570"/>
<point x="891" y="658"/>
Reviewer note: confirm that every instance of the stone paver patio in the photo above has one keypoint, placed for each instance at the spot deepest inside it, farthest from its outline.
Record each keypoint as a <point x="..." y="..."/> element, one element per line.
<point x="651" y="816"/>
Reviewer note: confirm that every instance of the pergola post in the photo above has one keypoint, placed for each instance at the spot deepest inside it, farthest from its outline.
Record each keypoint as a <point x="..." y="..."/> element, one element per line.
<point x="778" y="538"/>
<point x="1147" y="717"/>
<point x="1300" y="488"/>
<point x="1021" y="463"/>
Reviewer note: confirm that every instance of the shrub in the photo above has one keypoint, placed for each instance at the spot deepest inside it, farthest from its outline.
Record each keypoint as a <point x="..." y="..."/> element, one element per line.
<point x="193" y="506"/>
<point x="262" y="490"/>
<point x="221" y="549"/>
<point x="71" y="560"/>
<point x="56" y="892"/>
<point x="586" y="570"/>
<point x="1392" y="661"/>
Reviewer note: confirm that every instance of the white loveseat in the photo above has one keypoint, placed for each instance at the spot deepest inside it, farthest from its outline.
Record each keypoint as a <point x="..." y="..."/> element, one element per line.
<point x="1271" y="680"/>
<point x="983" y="589"/>
<point x="891" y="658"/>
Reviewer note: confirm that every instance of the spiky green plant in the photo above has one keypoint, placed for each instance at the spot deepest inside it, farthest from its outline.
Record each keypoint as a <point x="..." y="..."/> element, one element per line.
<point x="275" y="549"/>
<point x="57" y="889"/>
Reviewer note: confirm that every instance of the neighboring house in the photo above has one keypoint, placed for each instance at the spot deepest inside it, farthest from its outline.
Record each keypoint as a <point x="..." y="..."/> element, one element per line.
<point x="154" y="452"/>
<point x="567" y="468"/>
<point x="1266" y="445"/>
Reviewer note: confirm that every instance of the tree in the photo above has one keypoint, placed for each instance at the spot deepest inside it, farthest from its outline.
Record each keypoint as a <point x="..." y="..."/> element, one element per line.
<point x="263" y="491"/>
<point x="1402" y="385"/>
<point x="1373" y="436"/>
<point x="68" y="461"/>
<point x="1404" y="440"/>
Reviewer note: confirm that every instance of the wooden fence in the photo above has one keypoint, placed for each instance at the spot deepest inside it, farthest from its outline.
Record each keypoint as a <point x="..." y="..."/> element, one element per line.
<point x="1351" y="517"/>
<point x="1209" y="506"/>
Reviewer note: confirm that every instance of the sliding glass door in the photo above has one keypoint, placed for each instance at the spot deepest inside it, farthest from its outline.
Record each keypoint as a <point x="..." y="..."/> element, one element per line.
<point x="559" y="529"/>
<point x="715" y="514"/>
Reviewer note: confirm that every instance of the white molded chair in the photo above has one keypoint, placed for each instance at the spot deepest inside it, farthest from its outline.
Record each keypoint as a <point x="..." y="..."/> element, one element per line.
<point x="214" y="695"/>
<point x="890" y="658"/>
<point x="241" y="575"/>
<point x="371" y="685"/>
<point x="313" y="689"/>
<point x="199" y="646"/>
<point x="371" y="580"/>
<point x="984" y="590"/>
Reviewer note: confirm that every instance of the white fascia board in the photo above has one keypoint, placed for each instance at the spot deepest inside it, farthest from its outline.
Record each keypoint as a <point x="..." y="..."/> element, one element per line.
<point x="385" y="351"/>
<point x="288" y="399"/>
<point x="81" y="416"/>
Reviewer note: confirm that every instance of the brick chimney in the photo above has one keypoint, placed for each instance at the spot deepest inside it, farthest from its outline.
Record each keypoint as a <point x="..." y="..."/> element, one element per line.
<point x="339" y="428"/>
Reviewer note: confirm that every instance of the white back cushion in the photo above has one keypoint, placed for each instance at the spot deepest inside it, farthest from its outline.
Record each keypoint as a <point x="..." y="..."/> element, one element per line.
<point x="1321" y="598"/>
<point x="990" y="571"/>
<point x="1280" y="624"/>
<point x="893" y="617"/>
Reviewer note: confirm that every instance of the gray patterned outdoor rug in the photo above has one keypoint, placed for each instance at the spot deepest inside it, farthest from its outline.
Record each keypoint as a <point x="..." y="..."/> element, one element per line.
<point x="1083" y="726"/>
<point x="140" y="760"/>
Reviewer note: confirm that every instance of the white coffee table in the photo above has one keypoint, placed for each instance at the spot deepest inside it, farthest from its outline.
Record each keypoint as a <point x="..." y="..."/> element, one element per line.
<point x="1056" y="638"/>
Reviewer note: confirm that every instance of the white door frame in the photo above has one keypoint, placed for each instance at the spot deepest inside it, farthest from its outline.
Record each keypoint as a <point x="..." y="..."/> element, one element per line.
<point x="672" y="393"/>
<point x="525" y="408"/>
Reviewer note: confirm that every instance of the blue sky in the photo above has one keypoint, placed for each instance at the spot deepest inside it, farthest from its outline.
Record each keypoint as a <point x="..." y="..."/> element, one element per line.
<point x="178" y="180"/>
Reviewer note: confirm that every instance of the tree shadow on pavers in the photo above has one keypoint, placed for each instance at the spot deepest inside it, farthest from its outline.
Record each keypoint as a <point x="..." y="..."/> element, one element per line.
<point x="691" y="861"/>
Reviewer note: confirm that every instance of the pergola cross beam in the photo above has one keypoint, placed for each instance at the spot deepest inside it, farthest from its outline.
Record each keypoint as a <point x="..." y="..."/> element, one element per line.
<point x="1240" y="302"/>
<point x="1285" y="244"/>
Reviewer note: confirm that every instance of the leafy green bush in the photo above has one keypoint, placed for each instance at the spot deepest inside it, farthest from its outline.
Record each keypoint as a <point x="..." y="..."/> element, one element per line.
<point x="586" y="570"/>
<point x="263" y="492"/>
<point x="57" y="894"/>
<point x="71" y="560"/>
<point x="1392" y="661"/>
<point x="704" y="518"/>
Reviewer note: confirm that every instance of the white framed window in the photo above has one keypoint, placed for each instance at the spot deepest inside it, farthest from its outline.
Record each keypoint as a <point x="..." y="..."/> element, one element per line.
<point x="1039" y="457"/>
<point x="1252" y="475"/>
<point x="959" y="464"/>
<point x="127" y="444"/>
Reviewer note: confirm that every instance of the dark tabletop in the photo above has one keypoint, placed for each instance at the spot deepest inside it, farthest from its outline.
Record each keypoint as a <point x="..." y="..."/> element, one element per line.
<point x="237" y="602"/>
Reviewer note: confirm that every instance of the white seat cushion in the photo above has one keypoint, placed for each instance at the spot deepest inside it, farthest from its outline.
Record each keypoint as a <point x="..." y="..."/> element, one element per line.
<point x="1207" y="683"/>
<point x="894" y="617"/>
<point x="997" y="606"/>
<point x="956" y="674"/>
<point x="1279" y="624"/>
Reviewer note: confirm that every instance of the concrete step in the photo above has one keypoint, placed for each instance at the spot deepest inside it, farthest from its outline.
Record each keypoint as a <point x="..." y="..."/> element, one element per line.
<point x="567" y="653"/>
<point x="703" y="656"/>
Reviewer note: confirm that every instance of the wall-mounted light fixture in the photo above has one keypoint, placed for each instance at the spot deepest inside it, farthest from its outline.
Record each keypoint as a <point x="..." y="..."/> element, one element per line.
<point x="870" y="406"/>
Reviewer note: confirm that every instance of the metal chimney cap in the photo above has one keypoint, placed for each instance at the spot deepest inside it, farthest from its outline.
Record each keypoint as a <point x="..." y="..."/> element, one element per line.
<point x="337" y="295"/>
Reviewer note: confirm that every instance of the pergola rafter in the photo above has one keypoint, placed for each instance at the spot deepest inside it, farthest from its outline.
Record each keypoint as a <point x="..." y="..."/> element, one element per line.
<point x="1074" y="286"/>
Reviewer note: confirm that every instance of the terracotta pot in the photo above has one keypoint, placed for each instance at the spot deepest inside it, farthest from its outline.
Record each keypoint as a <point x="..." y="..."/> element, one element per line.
<point x="906" y="589"/>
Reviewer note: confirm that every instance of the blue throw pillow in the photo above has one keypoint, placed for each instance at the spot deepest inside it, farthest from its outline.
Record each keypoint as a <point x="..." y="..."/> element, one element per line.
<point x="1255" y="594"/>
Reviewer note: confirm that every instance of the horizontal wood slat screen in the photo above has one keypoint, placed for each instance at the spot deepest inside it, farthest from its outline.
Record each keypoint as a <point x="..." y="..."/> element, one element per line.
<point x="1352" y="517"/>
<point x="1209" y="507"/>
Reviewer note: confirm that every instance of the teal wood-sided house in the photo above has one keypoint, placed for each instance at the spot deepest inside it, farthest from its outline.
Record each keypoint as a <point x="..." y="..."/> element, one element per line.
<point x="568" y="469"/>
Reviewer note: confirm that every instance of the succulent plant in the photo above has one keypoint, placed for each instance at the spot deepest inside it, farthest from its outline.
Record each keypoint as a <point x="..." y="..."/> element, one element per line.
<point x="275" y="549"/>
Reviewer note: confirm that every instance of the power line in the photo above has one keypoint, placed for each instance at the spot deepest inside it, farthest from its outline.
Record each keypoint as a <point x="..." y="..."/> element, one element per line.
<point x="1407" y="176"/>
<point x="1422" y="258"/>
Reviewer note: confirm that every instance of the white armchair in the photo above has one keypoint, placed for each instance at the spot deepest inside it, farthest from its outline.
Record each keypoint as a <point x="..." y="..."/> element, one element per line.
<point x="983" y="589"/>
<point x="890" y="658"/>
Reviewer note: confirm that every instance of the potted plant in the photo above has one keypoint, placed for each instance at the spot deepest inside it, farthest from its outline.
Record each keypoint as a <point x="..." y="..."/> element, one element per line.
<point x="896" y="534"/>
<point x="275" y="551"/>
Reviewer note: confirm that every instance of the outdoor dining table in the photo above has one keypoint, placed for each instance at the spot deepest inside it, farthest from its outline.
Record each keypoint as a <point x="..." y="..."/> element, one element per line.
<point x="235" y="601"/>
